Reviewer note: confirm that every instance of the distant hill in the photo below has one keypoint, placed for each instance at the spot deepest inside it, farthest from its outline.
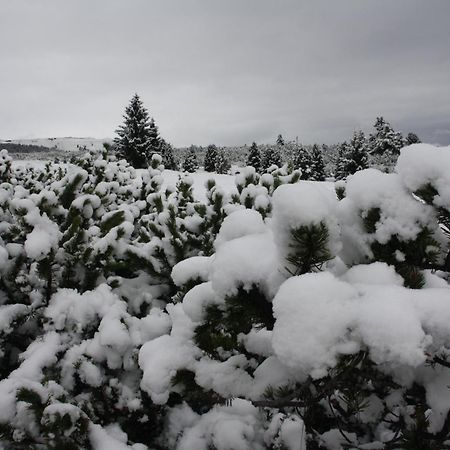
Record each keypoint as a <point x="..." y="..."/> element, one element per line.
<point x="66" y="144"/>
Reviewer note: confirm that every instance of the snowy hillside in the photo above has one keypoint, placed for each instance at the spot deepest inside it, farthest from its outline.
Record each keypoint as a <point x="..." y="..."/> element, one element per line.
<point x="67" y="144"/>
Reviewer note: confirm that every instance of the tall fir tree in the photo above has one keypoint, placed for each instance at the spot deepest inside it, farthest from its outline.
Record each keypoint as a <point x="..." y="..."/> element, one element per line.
<point x="385" y="140"/>
<point x="209" y="163"/>
<point x="254" y="157"/>
<point x="190" y="163"/>
<point x="138" y="136"/>
<point x="317" y="164"/>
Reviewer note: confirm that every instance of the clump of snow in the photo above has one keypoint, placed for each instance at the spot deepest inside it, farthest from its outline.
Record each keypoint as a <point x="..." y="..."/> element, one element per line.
<point x="243" y="262"/>
<point x="303" y="204"/>
<point x="195" y="268"/>
<point x="420" y="165"/>
<point x="240" y="223"/>
<point x="319" y="318"/>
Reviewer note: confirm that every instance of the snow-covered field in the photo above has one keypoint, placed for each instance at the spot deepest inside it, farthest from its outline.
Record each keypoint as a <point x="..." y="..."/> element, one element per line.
<point x="64" y="143"/>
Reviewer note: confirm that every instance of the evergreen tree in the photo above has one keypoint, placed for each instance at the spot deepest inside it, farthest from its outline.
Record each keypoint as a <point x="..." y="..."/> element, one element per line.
<point x="222" y="163"/>
<point x="301" y="159"/>
<point x="190" y="163"/>
<point x="280" y="140"/>
<point x="412" y="138"/>
<point x="210" y="158"/>
<point x="353" y="156"/>
<point x="168" y="158"/>
<point x="341" y="163"/>
<point x="138" y="136"/>
<point x="317" y="166"/>
<point x="271" y="156"/>
<point x="385" y="140"/>
<point x="254" y="157"/>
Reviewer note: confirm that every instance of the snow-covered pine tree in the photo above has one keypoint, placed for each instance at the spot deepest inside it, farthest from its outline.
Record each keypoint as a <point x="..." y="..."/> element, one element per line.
<point x="280" y="140"/>
<point x="301" y="159"/>
<point x="385" y="141"/>
<point x="222" y="163"/>
<point x="317" y="164"/>
<point x="190" y="163"/>
<point x="138" y="136"/>
<point x="353" y="156"/>
<point x="271" y="156"/>
<point x="209" y="163"/>
<point x="412" y="138"/>
<point x="254" y="157"/>
<point x="168" y="158"/>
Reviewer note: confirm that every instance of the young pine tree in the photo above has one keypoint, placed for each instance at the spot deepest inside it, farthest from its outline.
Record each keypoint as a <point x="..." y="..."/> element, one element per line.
<point x="168" y="158"/>
<point x="138" y="136"/>
<point x="254" y="157"/>
<point x="270" y="157"/>
<point x="210" y="158"/>
<point x="317" y="166"/>
<point x="354" y="156"/>
<point x="222" y="163"/>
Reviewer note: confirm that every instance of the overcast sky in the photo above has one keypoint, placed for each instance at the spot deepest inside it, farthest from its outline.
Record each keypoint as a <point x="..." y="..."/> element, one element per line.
<point x="225" y="71"/>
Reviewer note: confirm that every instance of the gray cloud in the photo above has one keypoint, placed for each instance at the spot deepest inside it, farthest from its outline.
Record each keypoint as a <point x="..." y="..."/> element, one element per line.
<point x="228" y="72"/>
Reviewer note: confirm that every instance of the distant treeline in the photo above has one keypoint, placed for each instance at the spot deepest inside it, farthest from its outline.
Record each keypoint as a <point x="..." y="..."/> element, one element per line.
<point x="23" y="148"/>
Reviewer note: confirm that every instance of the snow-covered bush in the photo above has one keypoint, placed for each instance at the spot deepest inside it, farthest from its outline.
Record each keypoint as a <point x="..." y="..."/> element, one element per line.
<point x="278" y="316"/>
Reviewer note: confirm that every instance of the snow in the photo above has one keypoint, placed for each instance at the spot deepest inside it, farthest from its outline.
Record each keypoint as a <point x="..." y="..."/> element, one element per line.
<point x="194" y="268"/>
<point x="65" y="143"/>
<point x="240" y="223"/>
<point x="243" y="262"/>
<point x="319" y="317"/>
<point x="423" y="164"/>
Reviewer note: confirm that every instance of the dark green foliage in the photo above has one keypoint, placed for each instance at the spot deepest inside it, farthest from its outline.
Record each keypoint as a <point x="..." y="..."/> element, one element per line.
<point x="280" y="140"/>
<point x="408" y="257"/>
<point x="301" y="159"/>
<point x="271" y="156"/>
<point x="308" y="248"/>
<point x="412" y="138"/>
<point x="352" y="157"/>
<point x="190" y="163"/>
<point x="254" y="157"/>
<point x="168" y="158"/>
<point x="138" y="137"/>
<point x="385" y="140"/>
<point x="222" y="163"/>
<point x="317" y="164"/>
<point x="210" y="158"/>
<point x="239" y="314"/>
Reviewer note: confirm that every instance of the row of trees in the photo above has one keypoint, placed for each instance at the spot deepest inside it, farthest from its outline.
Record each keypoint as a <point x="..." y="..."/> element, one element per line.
<point x="138" y="139"/>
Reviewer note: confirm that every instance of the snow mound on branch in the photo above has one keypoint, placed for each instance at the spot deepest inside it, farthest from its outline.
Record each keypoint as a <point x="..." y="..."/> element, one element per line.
<point x="303" y="204"/>
<point x="240" y="223"/>
<point x="196" y="267"/>
<point x="243" y="262"/>
<point x="423" y="164"/>
<point x="320" y="317"/>
<point x="234" y="427"/>
<point x="400" y="214"/>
